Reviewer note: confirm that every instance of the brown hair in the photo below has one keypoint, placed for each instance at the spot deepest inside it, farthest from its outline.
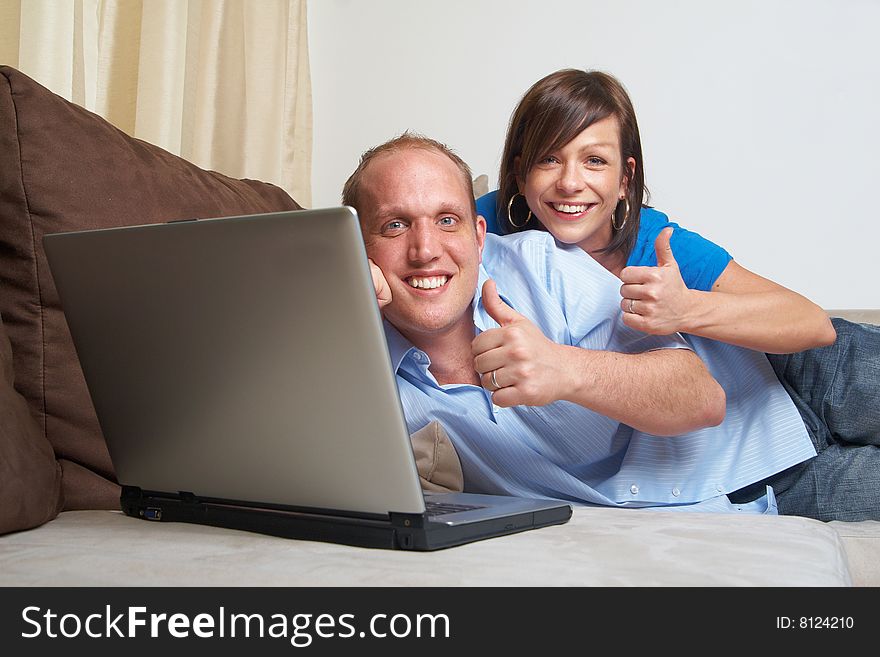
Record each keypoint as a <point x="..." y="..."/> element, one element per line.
<point x="553" y="112"/>
<point x="351" y="189"/>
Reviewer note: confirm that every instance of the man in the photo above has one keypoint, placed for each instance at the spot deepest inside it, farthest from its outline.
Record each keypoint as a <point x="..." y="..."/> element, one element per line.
<point x="542" y="388"/>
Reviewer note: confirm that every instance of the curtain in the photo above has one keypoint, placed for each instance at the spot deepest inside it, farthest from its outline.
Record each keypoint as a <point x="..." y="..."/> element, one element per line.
<point x="223" y="83"/>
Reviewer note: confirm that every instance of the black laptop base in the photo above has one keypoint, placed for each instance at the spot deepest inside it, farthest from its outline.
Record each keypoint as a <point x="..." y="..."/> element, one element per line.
<point x="401" y="531"/>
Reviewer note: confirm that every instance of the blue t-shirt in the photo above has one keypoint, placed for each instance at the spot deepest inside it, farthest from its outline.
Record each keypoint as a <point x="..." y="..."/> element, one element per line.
<point x="700" y="261"/>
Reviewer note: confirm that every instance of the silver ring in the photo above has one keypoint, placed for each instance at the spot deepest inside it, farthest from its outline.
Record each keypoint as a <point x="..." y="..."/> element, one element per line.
<point x="631" y="302"/>
<point x="495" y="381"/>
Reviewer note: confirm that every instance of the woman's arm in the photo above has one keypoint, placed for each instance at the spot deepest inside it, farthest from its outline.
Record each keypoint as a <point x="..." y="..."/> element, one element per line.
<point x="743" y="308"/>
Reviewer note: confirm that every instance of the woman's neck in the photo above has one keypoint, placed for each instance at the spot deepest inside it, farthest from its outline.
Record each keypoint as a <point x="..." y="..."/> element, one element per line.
<point x="613" y="262"/>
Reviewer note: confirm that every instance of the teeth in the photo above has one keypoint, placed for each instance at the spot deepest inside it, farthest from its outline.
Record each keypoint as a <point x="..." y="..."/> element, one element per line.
<point x="570" y="209"/>
<point x="429" y="282"/>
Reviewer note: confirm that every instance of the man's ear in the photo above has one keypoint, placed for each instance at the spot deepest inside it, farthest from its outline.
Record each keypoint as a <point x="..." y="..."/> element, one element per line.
<point x="481" y="234"/>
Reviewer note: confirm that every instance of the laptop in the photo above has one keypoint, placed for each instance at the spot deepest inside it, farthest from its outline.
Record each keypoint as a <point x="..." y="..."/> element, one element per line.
<point x="240" y="375"/>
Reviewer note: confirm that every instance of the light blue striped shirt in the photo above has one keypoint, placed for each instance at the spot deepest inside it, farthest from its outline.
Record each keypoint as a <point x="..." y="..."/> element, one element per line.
<point x="568" y="452"/>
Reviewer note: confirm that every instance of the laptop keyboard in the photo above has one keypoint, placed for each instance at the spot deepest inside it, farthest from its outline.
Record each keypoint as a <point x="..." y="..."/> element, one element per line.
<point x="442" y="508"/>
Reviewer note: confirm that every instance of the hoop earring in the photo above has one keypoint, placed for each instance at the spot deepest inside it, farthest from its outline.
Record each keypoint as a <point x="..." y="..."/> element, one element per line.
<point x="625" y="216"/>
<point x="510" y="217"/>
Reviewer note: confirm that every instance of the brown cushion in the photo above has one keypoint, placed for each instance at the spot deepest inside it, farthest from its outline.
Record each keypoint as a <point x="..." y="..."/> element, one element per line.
<point x="30" y="478"/>
<point x="63" y="168"/>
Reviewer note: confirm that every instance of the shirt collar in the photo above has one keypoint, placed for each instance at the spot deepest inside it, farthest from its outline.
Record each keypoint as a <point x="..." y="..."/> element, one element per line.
<point x="398" y="346"/>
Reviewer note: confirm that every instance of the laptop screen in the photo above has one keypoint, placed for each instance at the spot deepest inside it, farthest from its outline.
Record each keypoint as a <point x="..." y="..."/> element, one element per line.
<point x="240" y="358"/>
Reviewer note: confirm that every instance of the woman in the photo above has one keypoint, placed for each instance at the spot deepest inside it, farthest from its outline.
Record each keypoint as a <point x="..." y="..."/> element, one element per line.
<point x="572" y="110"/>
<point x="572" y="165"/>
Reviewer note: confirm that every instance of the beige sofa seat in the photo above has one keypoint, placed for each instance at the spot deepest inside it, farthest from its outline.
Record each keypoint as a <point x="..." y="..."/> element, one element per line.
<point x="861" y="539"/>
<point x="597" y="547"/>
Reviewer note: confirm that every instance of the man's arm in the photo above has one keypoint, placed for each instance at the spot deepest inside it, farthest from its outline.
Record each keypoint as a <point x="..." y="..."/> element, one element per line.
<point x="664" y="392"/>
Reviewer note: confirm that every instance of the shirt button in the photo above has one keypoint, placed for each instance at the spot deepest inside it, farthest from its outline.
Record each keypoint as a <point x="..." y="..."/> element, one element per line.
<point x="418" y="357"/>
<point x="719" y="488"/>
<point x="634" y="489"/>
<point x="676" y="492"/>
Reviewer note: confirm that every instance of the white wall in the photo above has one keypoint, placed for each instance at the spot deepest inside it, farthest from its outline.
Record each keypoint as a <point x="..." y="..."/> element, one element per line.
<point x="758" y="118"/>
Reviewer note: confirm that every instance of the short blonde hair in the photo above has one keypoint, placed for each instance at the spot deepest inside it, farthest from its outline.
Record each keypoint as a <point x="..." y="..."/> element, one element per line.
<point x="351" y="190"/>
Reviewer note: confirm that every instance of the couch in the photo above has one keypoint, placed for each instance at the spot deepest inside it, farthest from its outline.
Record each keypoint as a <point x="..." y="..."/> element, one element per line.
<point x="64" y="168"/>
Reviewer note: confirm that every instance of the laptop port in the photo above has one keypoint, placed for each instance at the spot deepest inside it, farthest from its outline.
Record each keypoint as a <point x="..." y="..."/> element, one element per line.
<point x="152" y="513"/>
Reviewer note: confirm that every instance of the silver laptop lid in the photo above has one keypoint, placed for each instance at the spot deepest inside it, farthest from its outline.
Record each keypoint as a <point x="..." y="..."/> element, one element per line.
<point x="240" y="358"/>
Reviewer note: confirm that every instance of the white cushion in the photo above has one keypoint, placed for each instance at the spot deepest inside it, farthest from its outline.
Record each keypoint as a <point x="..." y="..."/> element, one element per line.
<point x="597" y="547"/>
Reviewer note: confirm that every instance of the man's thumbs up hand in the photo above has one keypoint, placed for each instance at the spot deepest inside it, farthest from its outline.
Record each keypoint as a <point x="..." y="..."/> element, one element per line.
<point x="495" y="306"/>
<point x="516" y="362"/>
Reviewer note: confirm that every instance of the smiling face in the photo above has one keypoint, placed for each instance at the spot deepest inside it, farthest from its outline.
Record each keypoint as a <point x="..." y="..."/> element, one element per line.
<point x="419" y="228"/>
<point x="574" y="190"/>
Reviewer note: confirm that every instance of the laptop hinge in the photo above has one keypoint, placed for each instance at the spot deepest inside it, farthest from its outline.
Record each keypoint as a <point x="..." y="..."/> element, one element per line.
<point x="407" y="529"/>
<point x="407" y="520"/>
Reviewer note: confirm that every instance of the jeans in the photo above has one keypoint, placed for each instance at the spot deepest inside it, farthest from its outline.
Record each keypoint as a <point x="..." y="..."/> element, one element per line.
<point x="836" y="389"/>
